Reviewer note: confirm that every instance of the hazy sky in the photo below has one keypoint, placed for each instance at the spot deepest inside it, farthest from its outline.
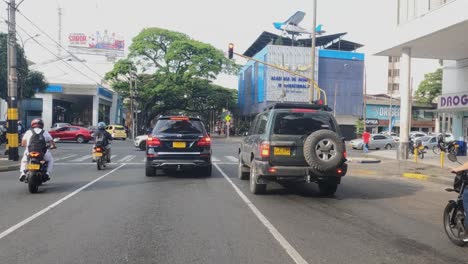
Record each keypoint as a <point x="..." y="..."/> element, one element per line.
<point x="219" y="22"/>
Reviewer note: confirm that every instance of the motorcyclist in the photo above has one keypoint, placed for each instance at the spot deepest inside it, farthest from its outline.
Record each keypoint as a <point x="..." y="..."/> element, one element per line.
<point x="36" y="139"/>
<point x="461" y="168"/>
<point x="102" y="138"/>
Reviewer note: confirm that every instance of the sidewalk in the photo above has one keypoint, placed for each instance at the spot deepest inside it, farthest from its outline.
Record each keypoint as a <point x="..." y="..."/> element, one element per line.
<point x="8" y="165"/>
<point x="427" y="169"/>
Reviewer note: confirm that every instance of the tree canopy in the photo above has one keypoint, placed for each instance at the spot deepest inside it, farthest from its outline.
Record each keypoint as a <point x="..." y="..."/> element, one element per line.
<point x="173" y="73"/>
<point x="28" y="81"/>
<point x="430" y="88"/>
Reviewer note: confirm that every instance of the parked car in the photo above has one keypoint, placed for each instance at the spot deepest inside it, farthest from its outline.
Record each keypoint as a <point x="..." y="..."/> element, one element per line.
<point x="59" y="125"/>
<point x="178" y="143"/>
<point x="377" y="141"/>
<point x="117" y="131"/>
<point x="140" y="142"/>
<point x="92" y="129"/>
<point x="71" y="133"/>
<point x="429" y="142"/>
<point x="295" y="143"/>
<point x="416" y="134"/>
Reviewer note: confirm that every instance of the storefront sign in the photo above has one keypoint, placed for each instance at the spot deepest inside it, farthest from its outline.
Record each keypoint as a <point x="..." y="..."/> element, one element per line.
<point x="453" y="101"/>
<point x="104" y="92"/>
<point x="382" y="111"/>
<point x="372" y="122"/>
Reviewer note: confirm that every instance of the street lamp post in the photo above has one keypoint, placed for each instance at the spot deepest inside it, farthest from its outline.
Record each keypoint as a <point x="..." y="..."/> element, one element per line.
<point x="312" y="75"/>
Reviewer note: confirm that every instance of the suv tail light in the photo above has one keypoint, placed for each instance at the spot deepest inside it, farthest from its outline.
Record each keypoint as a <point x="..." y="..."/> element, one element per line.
<point x="153" y="142"/>
<point x="265" y="149"/>
<point x="204" y="142"/>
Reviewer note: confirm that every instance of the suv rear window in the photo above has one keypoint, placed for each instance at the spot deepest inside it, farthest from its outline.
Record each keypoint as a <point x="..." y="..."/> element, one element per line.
<point x="166" y="126"/>
<point x="118" y="128"/>
<point x="291" y="123"/>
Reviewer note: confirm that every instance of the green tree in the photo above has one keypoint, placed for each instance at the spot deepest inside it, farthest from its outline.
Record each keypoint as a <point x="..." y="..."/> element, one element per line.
<point x="359" y="127"/>
<point x="430" y="88"/>
<point x="28" y="81"/>
<point x="174" y="73"/>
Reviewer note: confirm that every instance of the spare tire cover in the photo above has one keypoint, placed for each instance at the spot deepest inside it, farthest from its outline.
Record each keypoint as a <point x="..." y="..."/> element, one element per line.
<point x="323" y="150"/>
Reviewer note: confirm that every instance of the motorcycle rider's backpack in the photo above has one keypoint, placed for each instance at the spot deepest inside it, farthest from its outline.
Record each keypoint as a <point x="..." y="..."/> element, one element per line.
<point x="100" y="139"/>
<point x="37" y="142"/>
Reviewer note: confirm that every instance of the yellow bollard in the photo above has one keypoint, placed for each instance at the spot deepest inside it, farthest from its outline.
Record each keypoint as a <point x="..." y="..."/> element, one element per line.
<point x="416" y="155"/>
<point x="442" y="159"/>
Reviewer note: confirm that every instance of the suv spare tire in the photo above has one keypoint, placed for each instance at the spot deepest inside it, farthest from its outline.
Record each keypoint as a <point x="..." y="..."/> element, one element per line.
<point x="323" y="150"/>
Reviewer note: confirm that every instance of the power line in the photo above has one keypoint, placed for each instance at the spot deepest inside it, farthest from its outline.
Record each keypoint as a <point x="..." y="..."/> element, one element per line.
<point x="58" y="44"/>
<point x="55" y="55"/>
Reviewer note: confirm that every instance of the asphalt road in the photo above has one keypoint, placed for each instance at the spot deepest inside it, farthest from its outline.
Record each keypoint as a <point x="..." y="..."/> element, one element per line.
<point x="120" y="216"/>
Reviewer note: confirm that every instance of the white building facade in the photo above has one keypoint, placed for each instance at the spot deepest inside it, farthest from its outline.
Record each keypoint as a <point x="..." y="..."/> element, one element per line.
<point x="435" y="29"/>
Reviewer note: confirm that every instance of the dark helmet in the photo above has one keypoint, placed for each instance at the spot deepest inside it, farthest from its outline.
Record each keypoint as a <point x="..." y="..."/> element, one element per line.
<point x="101" y="126"/>
<point x="37" y="122"/>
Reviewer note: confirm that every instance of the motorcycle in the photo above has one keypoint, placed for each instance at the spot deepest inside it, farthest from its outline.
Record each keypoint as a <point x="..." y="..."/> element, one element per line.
<point x="417" y="144"/>
<point x="450" y="147"/>
<point x="100" y="156"/>
<point x="454" y="214"/>
<point x="36" y="171"/>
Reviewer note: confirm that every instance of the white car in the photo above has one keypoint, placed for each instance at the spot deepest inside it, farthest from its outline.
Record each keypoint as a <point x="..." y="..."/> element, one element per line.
<point x="416" y="134"/>
<point x="140" y="142"/>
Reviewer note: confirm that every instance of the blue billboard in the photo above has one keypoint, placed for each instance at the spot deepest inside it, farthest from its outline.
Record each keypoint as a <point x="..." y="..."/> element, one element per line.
<point x="382" y="112"/>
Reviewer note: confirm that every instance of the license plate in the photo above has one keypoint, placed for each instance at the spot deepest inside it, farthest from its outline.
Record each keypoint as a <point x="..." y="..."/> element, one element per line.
<point x="282" y="151"/>
<point x="98" y="154"/>
<point x="34" y="166"/>
<point x="178" y="144"/>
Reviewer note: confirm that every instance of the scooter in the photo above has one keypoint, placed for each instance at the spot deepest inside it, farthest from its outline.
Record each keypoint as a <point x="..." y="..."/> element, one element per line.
<point x="454" y="214"/>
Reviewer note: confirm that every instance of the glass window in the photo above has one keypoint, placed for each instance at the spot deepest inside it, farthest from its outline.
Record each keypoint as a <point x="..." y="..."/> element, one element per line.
<point x="166" y="126"/>
<point x="301" y="123"/>
<point x="262" y="123"/>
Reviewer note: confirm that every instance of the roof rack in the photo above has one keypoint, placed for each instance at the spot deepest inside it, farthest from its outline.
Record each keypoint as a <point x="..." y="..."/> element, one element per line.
<point x="298" y="105"/>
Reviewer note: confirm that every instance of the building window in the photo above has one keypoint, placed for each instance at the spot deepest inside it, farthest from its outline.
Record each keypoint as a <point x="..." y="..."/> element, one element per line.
<point x="389" y="59"/>
<point x="389" y="73"/>
<point x="396" y="72"/>
<point x="396" y="87"/>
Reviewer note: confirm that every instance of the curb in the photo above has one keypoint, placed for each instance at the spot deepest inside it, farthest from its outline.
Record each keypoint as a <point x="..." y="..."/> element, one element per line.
<point x="359" y="160"/>
<point x="424" y="177"/>
<point x="9" y="168"/>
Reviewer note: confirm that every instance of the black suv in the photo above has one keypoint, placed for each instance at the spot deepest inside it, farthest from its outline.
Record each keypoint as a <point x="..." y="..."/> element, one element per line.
<point x="299" y="142"/>
<point x="178" y="143"/>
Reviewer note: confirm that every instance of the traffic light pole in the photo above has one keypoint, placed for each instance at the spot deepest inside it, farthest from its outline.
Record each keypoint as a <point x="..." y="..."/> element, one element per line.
<point x="12" y="114"/>
<point x="312" y="82"/>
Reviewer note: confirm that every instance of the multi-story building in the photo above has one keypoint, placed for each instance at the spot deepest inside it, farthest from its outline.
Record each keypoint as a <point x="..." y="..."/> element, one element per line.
<point x="393" y="87"/>
<point x="434" y="29"/>
<point x="339" y="71"/>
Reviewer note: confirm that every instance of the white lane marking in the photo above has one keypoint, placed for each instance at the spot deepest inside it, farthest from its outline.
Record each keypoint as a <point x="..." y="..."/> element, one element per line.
<point x="66" y="157"/>
<point x="231" y="158"/>
<point x="292" y="252"/>
<point x="214" y="159"/>
<point x="50" y="207"/>
<point x="83" y="158"/>
<point x="113" y="156"/>
<point x="127" y="158"/>
<point x="144" y="160"/>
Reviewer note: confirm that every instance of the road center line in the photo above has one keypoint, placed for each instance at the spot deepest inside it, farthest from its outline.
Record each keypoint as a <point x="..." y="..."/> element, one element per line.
<point x="292" y="252"/>
<point x="50" y="207"/>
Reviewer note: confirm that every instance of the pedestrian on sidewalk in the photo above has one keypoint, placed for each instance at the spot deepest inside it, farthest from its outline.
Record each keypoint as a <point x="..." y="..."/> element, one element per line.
<point x="365" y="141"/>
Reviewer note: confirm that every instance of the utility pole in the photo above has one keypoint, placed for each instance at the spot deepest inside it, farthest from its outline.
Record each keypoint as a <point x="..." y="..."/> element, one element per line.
<point x="131" y="108"/>
<point x="59" y="49"/>
<point x="12" y="115"/>
<point x="312" y="75"/>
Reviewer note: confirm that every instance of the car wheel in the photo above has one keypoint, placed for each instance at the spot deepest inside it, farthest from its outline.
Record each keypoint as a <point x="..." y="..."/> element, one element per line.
<point x="328" y="187"/>
<point x="150" y="171"/>
<point x="323" y="150"/>
<point x="142" y="145"/>
<point x="80" y="139"/>
<point x="124" y="139"/>
<point x="242" y="171"/>
<point x="255" y="188"/>
<point x="206" y="171"/>
<point x="388" y="146"/>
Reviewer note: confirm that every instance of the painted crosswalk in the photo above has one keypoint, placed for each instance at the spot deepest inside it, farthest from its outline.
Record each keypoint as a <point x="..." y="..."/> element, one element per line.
<point x="133" y="159"/>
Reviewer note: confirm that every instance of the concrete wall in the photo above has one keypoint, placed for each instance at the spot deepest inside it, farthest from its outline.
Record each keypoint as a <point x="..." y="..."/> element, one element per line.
<point x="47" y="111"/>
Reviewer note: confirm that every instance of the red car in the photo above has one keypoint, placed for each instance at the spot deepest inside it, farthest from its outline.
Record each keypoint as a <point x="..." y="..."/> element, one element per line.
<point x="72" y="133"/>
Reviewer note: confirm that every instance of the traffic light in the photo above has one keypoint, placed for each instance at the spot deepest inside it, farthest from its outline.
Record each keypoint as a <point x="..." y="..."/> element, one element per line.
<point x="231" y="51"/>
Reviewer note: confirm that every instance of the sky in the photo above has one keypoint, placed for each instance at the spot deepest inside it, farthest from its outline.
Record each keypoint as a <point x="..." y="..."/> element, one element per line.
<point x="218" y="22"/>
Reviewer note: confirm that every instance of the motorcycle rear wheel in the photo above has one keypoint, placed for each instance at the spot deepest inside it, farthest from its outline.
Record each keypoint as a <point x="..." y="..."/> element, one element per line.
<point x="33" y="182"/>
<point x="453" y="223"/>
<point x="99" y="164"/>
